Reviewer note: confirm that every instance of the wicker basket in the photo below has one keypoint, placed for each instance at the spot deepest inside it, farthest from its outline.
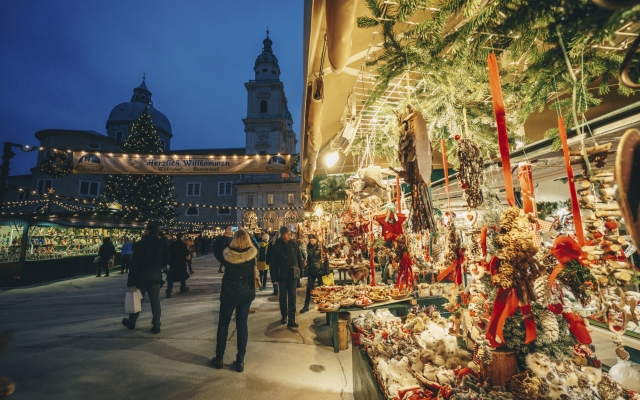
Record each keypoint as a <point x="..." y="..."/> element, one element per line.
<point x="424" y="292"/>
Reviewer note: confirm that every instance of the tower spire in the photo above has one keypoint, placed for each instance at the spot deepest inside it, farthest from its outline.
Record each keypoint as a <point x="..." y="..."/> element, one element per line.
<point x="267" y="43"/>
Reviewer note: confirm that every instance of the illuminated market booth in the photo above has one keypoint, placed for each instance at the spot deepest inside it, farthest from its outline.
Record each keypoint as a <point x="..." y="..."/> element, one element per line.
<point x="469" y="168"/>
<point x="37" y="248"/>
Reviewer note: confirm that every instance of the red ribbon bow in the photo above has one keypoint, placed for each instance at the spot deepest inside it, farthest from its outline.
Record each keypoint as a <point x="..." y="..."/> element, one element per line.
<point x="505" y="305"/>
<point x="565" y="249"/>
<point x="455" y="268"/>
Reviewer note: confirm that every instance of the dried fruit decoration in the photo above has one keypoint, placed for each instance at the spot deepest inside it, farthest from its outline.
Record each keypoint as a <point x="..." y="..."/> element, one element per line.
<point x="471" y="171"/>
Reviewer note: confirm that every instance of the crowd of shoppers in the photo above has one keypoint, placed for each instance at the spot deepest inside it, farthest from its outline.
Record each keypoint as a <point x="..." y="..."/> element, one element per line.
<point x="248" y="262"/>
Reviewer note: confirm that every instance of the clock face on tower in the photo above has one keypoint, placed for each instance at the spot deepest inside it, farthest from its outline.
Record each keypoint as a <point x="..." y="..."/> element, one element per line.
<point x="262" y="139"/>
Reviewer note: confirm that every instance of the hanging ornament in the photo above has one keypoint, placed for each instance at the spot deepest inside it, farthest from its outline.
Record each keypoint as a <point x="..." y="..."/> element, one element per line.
<point x="414" y="153"/>
<point x="514" y="269"/>
<point x="57" y="164"/>
<point x="471" y="171"/>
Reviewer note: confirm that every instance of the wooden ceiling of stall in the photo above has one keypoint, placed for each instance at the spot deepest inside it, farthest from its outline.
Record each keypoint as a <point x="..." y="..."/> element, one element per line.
<point x="359" y="79"/>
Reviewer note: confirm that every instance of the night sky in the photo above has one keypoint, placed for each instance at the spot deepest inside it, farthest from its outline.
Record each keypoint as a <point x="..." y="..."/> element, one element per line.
<point x="67" y="63"/>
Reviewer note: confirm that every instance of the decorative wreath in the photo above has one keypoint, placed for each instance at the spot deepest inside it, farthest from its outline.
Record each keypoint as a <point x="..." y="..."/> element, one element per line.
<point x="57" y="164"/>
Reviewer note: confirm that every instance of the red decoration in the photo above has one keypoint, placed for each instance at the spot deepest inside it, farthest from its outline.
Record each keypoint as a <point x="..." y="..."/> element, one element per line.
<point x="575" y="207"/>
<point x="445" y="166"/>
<point x="503" y="139"/>
<point x="405" y="272"/>
<point x="391" y="230"/>
<point x="457" y="137"/>
<point x="578" y="328"/>
<point x="525" y="177"/>
<point x="455" y="268"/>
<point x="565" y="249"/>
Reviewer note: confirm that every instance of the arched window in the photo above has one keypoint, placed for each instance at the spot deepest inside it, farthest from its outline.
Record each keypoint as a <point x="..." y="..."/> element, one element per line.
<point x="263" y="107"/>
<point x="249" y="220"/>
<point x="192" y="211"/>
<point x="271" y="221"/>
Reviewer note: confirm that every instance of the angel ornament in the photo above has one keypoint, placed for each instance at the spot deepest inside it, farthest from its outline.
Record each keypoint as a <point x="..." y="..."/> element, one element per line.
<point x="414" y="153"/>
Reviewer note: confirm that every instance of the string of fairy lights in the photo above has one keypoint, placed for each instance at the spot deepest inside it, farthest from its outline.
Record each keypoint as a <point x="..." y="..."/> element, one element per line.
<point x="27" y="149"/>
<point x="93" y="203"/>
<point x="240" y="208"/>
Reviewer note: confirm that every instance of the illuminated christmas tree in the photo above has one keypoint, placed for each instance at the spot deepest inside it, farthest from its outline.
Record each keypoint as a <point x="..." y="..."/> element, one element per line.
<point x="148" y="197"/>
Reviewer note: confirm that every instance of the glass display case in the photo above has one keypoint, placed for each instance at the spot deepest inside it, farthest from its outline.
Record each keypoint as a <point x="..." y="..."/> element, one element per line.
<point x="10" y="240"/>
<point x="49" y="241"/>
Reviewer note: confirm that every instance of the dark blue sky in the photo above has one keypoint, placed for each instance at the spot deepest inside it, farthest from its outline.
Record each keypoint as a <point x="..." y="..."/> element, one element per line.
<point x="67" y="63"/>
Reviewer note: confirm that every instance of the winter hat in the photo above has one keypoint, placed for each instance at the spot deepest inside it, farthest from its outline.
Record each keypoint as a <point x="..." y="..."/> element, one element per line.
<point x="265" y="237"/>
<point x="283" y="230"/>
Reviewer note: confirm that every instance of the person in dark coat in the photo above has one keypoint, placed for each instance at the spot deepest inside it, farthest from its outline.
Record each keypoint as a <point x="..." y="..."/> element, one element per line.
<point x="178" y="253"/>
<point x="285" y="261"/>
<point x="238" y="290"/>
<point x="315" y="267"/>
<point x="106" y="252"/>
<point x="150" y="255"/>
<point x="221" y="243"/>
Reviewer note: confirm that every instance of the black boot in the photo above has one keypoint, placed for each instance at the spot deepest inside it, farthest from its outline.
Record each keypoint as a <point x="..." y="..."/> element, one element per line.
<point x="304" y="309"/>
<point x="217" y="362"/>
<point x="126" y="322"/>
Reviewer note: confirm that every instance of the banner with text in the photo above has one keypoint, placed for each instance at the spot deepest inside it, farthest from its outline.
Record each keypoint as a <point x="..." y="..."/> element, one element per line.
<point x="101" y="163"/>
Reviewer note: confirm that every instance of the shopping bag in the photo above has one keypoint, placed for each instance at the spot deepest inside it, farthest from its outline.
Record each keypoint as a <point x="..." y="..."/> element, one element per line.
<point x="133" y="301"/>
<point x="327" y="280"/>
<point x="112" y="263"/>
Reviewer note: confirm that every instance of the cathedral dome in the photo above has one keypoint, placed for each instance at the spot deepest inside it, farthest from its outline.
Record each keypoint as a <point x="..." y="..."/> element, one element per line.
<point x="130" y="111"/>
<point x="125" y="113"/>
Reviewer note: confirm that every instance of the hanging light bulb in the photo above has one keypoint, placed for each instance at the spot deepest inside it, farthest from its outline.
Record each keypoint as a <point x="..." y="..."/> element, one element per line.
<point x="331" y="158"/>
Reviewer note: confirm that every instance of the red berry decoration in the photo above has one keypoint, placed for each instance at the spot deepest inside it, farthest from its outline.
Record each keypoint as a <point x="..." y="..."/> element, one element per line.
<point x="464" y="186"/>
<point x="457" y="137"/>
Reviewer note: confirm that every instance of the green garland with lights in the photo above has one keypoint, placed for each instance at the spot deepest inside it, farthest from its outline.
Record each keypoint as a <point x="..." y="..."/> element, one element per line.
<point x="57" y="164"/>
<point x="150" y="197"/>
<point x="452" y="63"/>
<point x="295" y="166"/>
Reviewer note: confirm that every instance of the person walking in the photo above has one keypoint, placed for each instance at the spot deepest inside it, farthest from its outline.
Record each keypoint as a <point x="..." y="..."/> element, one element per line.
<point x="238" y="290"/>
<point x="221" y="243"/>
<point x="192" y="250"/>
<point x="272" y="240"/>
<point x="263" y="267"/>
<point x="303" y="269"/>
<point x="206" y="244"/>
<point x="316" y="269"/>
<point x="196" y="244"/>
<point x="125" y="258"/>
<point x="149" y="256"/>
<point x="285" y="261"/>
<point x="105" y="253"/>
<point x="178" y="253"/>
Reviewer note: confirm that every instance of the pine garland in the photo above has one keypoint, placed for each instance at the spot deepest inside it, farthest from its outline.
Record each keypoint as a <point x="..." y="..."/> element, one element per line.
<point x="514" y="335"/>
<point x="149" y="196"/>
<point x="453" y="62"/>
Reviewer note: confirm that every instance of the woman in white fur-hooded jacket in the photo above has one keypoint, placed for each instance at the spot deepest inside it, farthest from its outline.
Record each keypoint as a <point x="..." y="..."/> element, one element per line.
<point x="237" y="292"/>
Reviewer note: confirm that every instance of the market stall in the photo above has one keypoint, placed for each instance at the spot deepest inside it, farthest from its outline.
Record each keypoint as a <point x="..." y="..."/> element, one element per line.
<point x="483" y="152"/>
<point x="40" y="248"/>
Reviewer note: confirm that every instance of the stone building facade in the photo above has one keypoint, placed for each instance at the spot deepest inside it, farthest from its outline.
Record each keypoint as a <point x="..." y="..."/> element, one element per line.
<point x="205" y="202"/>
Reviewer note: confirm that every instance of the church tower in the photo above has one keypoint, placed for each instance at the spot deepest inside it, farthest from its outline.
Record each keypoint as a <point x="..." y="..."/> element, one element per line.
<point x="268" y="125"/>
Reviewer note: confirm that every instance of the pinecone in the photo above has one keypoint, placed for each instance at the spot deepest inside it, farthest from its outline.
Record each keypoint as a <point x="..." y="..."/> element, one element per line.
<point x="550" y="328"/>
<point x="542" y="290"/>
